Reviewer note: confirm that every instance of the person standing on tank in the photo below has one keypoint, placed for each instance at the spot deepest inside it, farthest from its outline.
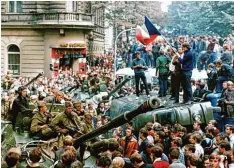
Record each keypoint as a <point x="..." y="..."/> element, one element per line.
<point x="139" y="67"/>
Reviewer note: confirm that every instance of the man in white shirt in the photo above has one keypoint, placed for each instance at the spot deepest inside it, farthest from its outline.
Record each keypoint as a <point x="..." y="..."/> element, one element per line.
<point x="229" y="129"/>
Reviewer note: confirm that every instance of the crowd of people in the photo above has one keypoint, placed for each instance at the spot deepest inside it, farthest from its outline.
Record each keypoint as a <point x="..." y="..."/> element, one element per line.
<point x="154" y="145"/>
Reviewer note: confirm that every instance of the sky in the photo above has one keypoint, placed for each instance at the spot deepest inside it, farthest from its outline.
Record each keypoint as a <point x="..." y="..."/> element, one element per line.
<point x="164" y="5"/>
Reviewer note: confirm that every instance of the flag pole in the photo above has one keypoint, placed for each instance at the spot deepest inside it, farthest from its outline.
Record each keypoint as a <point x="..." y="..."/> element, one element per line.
<point x="175" y="51"/>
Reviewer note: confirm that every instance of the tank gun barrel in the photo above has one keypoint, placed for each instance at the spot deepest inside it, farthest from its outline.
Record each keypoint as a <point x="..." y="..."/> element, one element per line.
<point x="117" y="88"/>
<point x="31" y="81"/>
<point x="151" y="104"/>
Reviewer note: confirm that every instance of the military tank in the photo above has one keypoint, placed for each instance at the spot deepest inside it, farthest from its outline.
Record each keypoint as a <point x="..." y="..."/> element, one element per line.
<point x="23" y="140"/>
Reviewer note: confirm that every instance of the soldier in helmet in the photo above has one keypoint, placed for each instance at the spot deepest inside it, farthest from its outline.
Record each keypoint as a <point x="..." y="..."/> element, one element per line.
<point x="67" y="122"/>
<point x="40" y="123"/>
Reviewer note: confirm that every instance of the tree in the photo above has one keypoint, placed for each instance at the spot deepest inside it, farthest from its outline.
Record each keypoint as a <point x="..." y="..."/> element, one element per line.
<point x="202" y="17"/>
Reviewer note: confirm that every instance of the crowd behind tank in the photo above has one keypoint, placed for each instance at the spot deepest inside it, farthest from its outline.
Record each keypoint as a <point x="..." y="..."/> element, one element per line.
<point x="155" y="145"/>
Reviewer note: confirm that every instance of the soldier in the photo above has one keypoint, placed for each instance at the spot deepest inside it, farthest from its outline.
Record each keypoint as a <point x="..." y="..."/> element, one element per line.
<point x="78" y="108"/>
<point x="58" y="98"/>
<point x="20" y="104"/>
<point x="40" y="123"/>
<point x="33" y="101"/>
<point x="8" y="80"/>
<point x="67" y="122"/>
<point x="88" y="124"/>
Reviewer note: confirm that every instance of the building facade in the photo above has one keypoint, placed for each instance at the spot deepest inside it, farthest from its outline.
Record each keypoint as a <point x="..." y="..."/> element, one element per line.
<point x="37" y="35"/>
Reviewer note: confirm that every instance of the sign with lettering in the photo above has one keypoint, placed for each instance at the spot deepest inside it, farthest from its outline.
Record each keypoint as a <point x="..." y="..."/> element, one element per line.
<point x="73" y="45"/>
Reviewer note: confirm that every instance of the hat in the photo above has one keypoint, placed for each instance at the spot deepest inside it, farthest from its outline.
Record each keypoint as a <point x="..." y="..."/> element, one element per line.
<point x="41" y="103"/>
<point x="149" y="144"/>
<point x="34" y="97"/>
<point x="68" y="104"/>
<point x="87" y="114"/>
<point x="76" y="104"/>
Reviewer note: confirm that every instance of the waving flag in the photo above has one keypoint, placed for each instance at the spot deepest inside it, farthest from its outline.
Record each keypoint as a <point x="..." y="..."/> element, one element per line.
<point x="147" y="33"/>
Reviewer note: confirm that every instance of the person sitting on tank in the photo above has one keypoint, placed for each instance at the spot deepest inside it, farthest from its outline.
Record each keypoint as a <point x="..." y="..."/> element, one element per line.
<point x="40" y="124"/>
<point x="229" y="94"/>
<point x="12" y="159"/>
<point x="57" y="98"/>
<point x="78" y="108"/>
<point x="212" y="77"/>
<point x="20" y="105"/>
<point x="225" y="73"/>
<point x="221" y="100"/>
<point x="34" y="157"/>
<point x="67" y="122"/>
<point x="201" y="91"/>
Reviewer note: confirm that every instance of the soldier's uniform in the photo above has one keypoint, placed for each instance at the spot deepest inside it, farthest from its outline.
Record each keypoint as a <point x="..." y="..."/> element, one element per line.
<point x="38" y="120"/>
<point x="87" y="126"/>
<point x="80" y="111"/>
<point x="66" y="121"/>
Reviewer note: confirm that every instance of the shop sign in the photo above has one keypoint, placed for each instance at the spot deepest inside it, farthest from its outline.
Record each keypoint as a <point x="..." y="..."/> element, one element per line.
<point x="73" y="45"/>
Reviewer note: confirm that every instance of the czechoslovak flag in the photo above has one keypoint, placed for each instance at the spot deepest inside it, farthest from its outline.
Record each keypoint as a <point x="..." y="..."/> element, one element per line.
<point x="147" y="33"/>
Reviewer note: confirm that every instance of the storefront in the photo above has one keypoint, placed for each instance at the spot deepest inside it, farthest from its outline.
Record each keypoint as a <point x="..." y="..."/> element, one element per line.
<point x="68" y="56"/>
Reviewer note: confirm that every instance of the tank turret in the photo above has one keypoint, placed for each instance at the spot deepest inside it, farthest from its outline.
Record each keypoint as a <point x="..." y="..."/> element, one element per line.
<point x="31" y="81"/>
<point x="149" y="105"/>
<point x="104" y="96"/>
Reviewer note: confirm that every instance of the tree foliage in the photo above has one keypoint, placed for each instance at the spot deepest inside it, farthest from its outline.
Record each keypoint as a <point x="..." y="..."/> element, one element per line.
<point x="202" y="17"/>
<point x="130" y="13"/>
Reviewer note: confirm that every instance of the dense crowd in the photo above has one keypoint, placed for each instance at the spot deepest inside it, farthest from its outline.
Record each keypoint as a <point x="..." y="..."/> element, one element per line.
<point x="154" y="145"/>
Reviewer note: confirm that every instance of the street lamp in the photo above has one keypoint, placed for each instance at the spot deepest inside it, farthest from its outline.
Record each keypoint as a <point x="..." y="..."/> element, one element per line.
<point x="116" y="48"/>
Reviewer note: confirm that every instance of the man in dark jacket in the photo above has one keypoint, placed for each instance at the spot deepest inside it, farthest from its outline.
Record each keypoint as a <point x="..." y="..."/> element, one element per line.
<point x="187" y="67"/>
<point x="225" y="73"/>
<point x="203" y="58"/>
<point x="212" y="77"/>
<point x="226" y="56"/>
<point x="20" y="104"/>
<point x="176" y="77"/>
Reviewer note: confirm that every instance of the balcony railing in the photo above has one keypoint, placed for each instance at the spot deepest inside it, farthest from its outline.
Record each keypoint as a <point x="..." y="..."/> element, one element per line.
<point x="47" y="18"/>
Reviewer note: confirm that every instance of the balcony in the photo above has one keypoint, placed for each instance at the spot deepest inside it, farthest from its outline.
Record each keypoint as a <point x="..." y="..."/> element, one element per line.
<point x="47" y="19"/>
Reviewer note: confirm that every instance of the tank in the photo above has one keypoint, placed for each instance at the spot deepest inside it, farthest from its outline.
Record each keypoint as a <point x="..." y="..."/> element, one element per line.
<point x="104" y="96"/>
<point x="169" y="114"/>
<point x="149" y="105"/>
<point x="32" y="80"/>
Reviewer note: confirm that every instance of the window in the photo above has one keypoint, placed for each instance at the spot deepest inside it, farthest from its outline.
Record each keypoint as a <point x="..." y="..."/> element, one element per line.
<point x="71" y="6"/>
<point x="15" y="6"/>
<point x="14" y="59"/>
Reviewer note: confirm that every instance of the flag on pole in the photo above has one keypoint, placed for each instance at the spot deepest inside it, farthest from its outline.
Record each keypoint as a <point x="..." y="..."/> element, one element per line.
<point x="147" y="33"/>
